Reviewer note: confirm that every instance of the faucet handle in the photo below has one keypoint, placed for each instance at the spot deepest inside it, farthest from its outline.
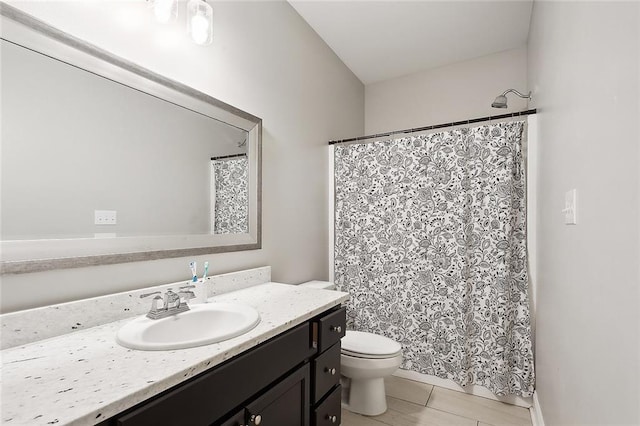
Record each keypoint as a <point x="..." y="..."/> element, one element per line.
<point x="186" y="293"/>
<point x="171" y="299"/>
<point x="155" y="309"/>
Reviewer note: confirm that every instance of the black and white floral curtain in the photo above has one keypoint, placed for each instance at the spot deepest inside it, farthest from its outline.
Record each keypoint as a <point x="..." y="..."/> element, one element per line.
<point x="431" y="244"/>
<point x="231" y="207"/>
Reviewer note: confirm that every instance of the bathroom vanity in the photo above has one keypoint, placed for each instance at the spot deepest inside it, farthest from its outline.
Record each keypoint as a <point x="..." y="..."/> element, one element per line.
<point x="292" y="379"/>
<point x="283" y="372"/>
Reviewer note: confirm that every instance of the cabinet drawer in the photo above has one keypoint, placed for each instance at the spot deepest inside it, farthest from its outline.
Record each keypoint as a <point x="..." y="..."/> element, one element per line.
<point x="329" y="329"/>
<point x="328" y="412"/>
<point x="326" y="371"/>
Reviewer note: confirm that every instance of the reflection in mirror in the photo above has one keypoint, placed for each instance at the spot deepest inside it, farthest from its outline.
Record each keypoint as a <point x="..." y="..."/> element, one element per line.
<point x="104" y="161"/>
<point x="75" y="143"/>
<point x="230" y="194"/>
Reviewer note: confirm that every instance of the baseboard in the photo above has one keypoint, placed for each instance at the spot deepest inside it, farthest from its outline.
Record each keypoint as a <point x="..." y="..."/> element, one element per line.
<point x="536" y="412"/>
<point x="471" y="389"/>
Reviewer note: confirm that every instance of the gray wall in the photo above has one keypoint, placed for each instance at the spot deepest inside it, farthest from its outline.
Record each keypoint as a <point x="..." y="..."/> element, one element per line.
<point x="449" y="93"/>
<point x="584" y="71"/>
<point x="265" y="60"/>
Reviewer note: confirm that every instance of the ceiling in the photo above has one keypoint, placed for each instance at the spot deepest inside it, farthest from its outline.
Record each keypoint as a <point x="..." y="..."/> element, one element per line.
<point x="380" y="40"/>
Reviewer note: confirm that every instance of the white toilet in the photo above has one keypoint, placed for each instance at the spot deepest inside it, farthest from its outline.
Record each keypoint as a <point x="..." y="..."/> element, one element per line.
<point x="365" y="361"/>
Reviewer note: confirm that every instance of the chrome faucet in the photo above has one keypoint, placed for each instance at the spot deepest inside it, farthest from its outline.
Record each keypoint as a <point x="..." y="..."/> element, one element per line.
<point x="155" y="309"/>
<point x="186" y="293"/>
<point x="171" y="300"/>
<point x="172" y="303"/>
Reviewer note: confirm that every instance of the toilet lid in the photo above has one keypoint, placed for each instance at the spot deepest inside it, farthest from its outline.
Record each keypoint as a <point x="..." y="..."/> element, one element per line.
<point x="369" y="345"/>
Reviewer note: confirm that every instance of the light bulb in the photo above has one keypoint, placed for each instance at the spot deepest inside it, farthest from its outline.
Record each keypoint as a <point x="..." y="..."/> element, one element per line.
<point x="199" y="29"/>
<point x="200" y="21"/>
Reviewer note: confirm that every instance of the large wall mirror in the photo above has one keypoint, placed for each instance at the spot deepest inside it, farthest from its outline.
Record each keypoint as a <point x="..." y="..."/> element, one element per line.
<point x="106" y="162"/>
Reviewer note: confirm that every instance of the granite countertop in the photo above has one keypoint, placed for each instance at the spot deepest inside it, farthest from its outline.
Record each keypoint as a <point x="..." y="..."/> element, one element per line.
<point x="85" y="377"/>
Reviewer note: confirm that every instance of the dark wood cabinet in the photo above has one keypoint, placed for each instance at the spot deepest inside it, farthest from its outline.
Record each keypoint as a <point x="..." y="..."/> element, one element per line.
<point x="286" y="381"/>
<point x="326" y="372"/>
<point x="330" y="328"/>
<point x="236" y="419"/>
<point x="285" y="404"/>
<point x="325" y="368"/>
<point x="328" y="412"/>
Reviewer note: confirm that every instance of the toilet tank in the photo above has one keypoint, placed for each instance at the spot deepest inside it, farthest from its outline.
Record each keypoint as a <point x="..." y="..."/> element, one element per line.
<point x="326" y="285"/>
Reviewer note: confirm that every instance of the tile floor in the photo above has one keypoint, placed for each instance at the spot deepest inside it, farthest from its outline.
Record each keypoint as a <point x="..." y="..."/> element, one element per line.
<point x="412" y="403"/>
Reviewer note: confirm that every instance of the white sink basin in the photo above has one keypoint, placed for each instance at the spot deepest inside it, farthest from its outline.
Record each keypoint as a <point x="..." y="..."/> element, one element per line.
<point x="203" y="324"/>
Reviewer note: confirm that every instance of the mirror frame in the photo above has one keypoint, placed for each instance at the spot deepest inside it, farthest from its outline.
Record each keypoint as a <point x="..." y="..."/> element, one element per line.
<point x="29" y="256"/>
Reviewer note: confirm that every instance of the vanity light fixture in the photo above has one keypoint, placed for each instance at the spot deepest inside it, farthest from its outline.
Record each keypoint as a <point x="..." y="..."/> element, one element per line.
<point x="165" y="10"/>
<point x="200" y="21"/>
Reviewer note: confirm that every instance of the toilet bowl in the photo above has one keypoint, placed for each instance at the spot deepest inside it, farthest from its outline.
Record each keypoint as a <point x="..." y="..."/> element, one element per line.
<point x="365" y="360"/>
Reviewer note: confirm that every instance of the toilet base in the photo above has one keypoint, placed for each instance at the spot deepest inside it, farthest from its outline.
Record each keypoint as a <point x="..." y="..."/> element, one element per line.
<point x="367" y="397"/>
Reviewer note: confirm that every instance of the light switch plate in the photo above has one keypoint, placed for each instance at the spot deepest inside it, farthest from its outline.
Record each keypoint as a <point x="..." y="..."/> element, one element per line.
<point x="570" y="207"/>
<point x="105" y="217"/>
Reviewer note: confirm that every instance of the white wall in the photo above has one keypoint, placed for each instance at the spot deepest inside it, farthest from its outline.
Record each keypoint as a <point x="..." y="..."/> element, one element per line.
<point x="265" y="60"/>
<point x="584" y="72"/>
<point x="454" y="92"/>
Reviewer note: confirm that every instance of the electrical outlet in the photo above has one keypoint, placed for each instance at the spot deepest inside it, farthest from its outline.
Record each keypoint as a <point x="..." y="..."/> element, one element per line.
<point x="105" y="217"/>
<point x="570" y="207"/>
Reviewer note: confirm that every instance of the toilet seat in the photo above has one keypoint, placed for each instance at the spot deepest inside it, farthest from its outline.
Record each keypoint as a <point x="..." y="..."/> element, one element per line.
<point x="360" y="344"/>
<point x="369" y="356"/>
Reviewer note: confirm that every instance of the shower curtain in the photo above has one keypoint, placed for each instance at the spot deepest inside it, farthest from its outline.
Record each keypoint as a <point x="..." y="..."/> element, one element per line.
<point x="430" y="241"/>
<point x="231" y="206"/>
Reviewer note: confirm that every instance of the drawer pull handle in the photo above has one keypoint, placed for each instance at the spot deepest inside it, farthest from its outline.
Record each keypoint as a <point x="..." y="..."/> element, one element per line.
<point x="337" y="329"/>
<point x="332" y="419"/>
<point x="331" y="371"/>
<point x="256" y="419"/>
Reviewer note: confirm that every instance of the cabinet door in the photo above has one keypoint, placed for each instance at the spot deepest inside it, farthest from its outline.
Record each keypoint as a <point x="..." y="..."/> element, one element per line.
<point x="286" y="404"/>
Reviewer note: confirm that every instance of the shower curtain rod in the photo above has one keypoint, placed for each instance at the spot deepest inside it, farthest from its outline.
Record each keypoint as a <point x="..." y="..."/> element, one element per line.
<point x="437" y="126"/>
<point x="222" y="157"/>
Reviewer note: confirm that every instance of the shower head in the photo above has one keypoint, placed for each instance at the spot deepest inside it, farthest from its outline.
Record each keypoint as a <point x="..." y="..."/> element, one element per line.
<point x="501" y="101"/>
